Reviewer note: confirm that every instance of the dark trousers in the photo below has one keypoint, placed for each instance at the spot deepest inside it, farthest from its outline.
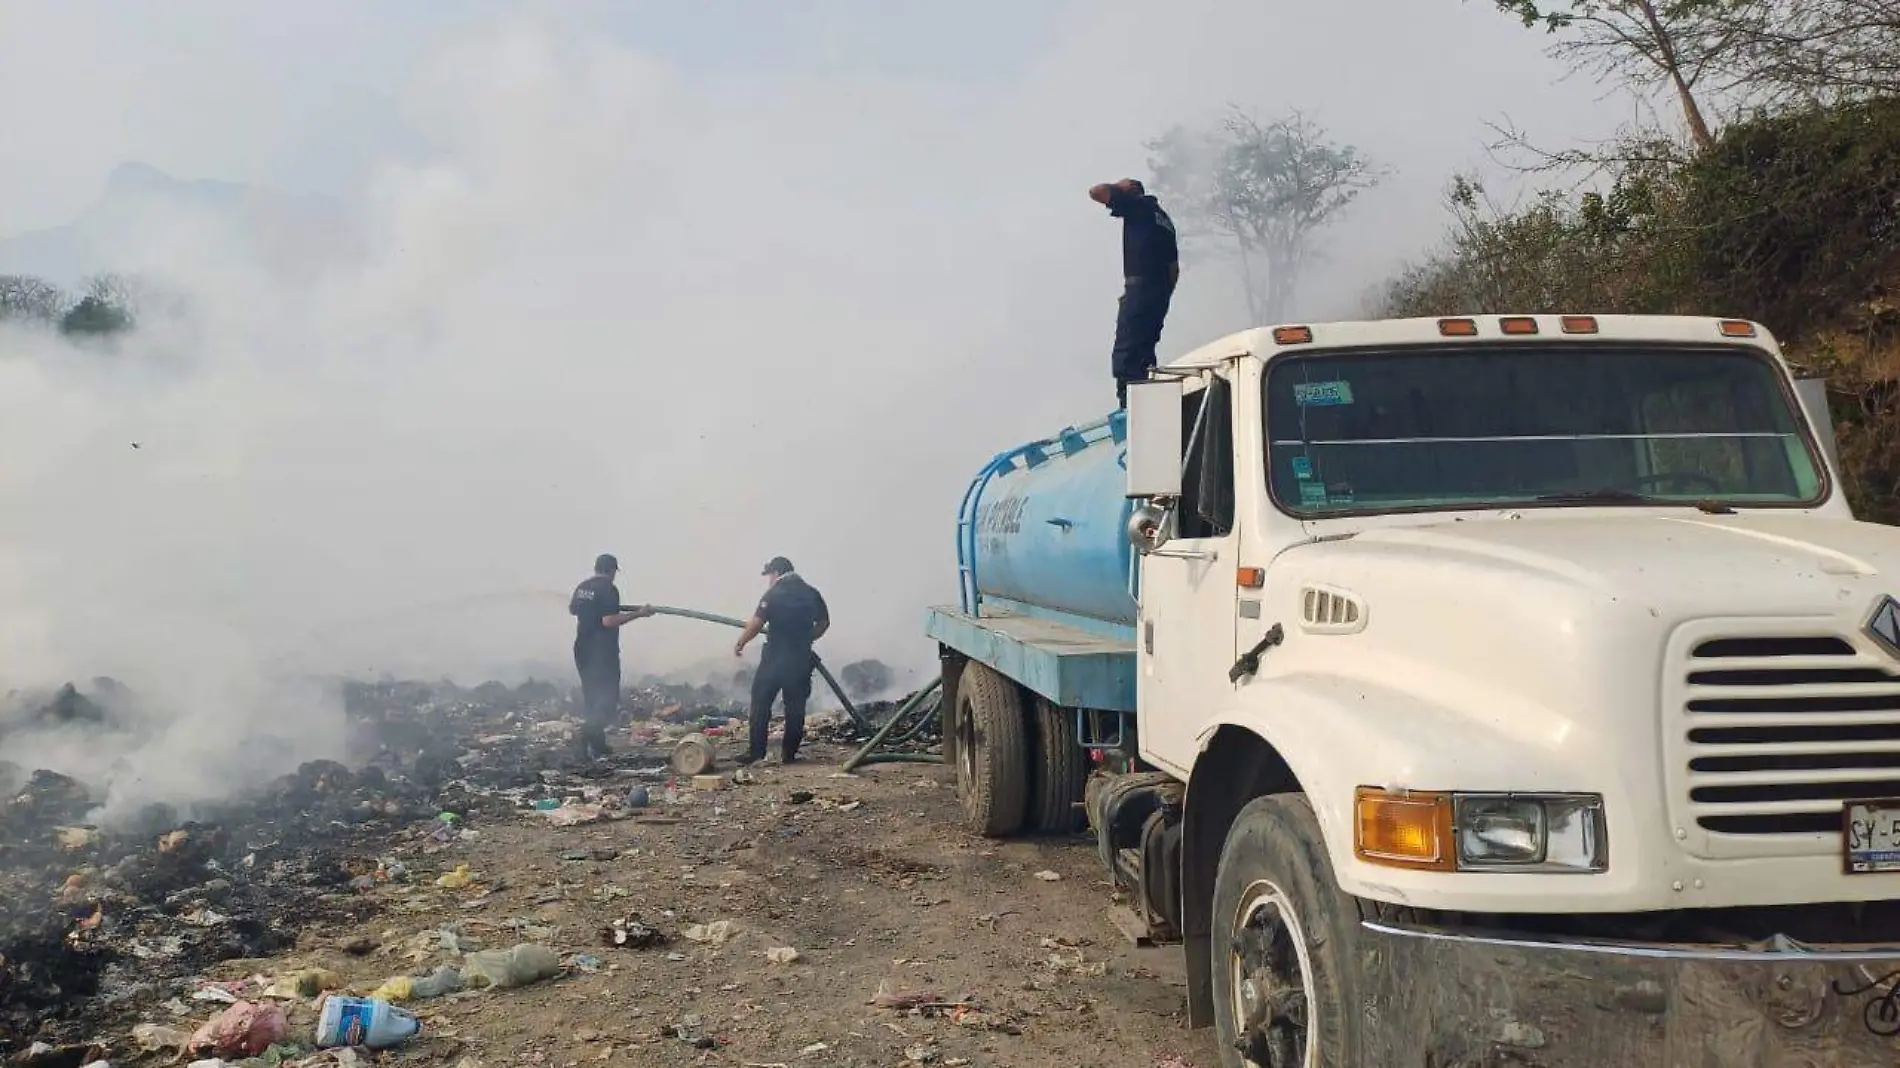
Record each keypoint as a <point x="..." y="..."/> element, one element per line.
<point x="787" y="673"/>
<point x="1144" y="306"/>
<point x="600" y="696"/>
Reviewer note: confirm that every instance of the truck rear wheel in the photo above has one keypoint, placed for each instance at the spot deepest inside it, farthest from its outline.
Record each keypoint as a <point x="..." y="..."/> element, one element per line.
<point x="992" y="752"/>
<point x="1283" y="941"/>
<point x="1061" y="770"/>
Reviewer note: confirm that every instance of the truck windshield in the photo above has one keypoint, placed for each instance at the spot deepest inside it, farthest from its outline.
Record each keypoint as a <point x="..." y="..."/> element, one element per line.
<point x="1466" y="427"/>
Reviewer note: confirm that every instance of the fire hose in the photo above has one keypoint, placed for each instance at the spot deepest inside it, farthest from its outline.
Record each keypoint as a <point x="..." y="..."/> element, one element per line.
<point x="883" y="735"/>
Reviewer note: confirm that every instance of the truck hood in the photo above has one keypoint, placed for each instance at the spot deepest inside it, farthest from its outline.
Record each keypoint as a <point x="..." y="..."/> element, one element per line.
<point x="1679" y="564"/>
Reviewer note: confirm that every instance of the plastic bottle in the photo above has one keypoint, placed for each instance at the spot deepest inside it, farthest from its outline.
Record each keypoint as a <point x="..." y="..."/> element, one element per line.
<point x="364" y="1022"/>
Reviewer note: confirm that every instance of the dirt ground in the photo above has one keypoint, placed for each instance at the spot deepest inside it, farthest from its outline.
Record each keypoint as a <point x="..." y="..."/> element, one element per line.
<point x="871" y="882"/>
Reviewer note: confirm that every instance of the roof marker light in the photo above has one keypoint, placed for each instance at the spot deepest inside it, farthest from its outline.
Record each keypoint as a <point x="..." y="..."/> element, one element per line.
<point x="1737" y="328"/>
<point x="1458" y="327"/>
<point x="1518" y="324"/>
<point x="1292" y="335"/>
<point x="1580" y="324"/>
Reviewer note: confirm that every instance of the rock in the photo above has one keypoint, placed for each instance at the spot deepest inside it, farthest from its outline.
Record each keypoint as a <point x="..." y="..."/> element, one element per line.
<point x="1049" y="876"/>
<point x="781" y="955"/>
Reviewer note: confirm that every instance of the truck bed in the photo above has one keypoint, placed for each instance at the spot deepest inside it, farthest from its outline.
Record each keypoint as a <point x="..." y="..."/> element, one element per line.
<point x="1080" y="664"/>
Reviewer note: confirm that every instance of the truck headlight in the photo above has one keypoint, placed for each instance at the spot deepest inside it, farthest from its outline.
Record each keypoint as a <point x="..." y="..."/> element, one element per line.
<point x="1480" y="832"/>
<point x="1529" y="832"/>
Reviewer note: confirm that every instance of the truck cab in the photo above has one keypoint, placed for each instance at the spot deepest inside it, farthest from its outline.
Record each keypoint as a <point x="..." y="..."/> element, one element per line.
<point x="1491" y="686"/>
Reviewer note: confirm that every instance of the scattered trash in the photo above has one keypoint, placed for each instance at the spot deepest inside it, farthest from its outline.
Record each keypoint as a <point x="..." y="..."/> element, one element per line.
<point x="586" y="962"/>
<point x="1049" y="876"/>
<point x="742" y="777"/>
<point x="694" y="755"/>
<point x="359" y="946"/>
<point x="364" y="1022"/>
<point x="444" y="980"/>
<point x="504" y="969"/>
<point x="245" y="1029"/>
<point x="575" y="815"/>
<point x="632" y="933"/>
<point x="547" y="804"/>
<point x="170" y="841"/>
<point x="888" y="998"/>
<point x="814" y="1049"/>
<point x="457" y="879"/>
<point x="922" y="1053"/>
<point x="717" y="933"/>
<point x="638" y="797"/>
<point x="687" y="1030"/>
<point x="153" y="1038"/>
<point x="708" y="782"/>
<point x="305" y="984"/>
<point x="781" y="955"/>
<point x="74" y="839"/>
<point x="798" y="797"/>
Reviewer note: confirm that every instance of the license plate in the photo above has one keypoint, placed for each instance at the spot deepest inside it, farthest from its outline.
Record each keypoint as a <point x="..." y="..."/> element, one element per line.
<point x="1870" y="837"/>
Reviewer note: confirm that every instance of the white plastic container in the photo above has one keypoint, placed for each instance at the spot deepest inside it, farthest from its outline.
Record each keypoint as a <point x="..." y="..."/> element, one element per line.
<point x="367" y="1022"/>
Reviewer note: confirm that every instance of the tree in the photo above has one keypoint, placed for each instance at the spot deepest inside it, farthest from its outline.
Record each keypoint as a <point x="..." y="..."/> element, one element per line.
<point x="1646" y="43"/>
<point x="109" y="307"/>
<point x="23" y="297"/>
<point x="1800" y="51"/>
<point x="1268" y="187"/>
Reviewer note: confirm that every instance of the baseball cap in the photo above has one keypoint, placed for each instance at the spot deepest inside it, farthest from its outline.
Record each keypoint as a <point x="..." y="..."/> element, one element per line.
<point x="778" y="565"/>
<point x="605" y="564"/>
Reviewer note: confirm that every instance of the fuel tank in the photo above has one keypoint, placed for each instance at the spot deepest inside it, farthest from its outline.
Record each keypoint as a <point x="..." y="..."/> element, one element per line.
<point x="1044" y="525"/>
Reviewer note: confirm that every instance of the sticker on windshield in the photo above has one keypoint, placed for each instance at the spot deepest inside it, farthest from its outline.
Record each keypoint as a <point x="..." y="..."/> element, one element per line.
<point x="1310" y="394"/>
<point x="1302" y="467"/>
<point x="1312" y="493"/>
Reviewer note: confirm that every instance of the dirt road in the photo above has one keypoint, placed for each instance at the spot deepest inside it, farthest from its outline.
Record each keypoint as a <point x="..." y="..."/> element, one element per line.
<point x="867" y="878"/>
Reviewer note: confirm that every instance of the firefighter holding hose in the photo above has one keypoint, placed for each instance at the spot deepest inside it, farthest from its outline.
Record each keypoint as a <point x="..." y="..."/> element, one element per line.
<point x="793" y="615"/>
<point x="598" y="617"/>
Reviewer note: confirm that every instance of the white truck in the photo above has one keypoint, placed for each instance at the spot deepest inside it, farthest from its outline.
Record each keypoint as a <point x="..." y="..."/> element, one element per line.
<point x="1499" y="689"/>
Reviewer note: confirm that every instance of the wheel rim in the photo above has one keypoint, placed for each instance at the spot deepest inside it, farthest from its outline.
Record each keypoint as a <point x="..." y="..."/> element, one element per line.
<point x="1272" y="981"/>
<point x="966" y="746"/>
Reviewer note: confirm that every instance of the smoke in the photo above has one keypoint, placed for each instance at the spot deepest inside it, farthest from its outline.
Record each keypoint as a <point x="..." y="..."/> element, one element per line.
<point x="587" y="300"/>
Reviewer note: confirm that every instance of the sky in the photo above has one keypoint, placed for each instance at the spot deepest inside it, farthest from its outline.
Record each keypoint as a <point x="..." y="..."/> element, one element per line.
<point x="695" y="282"/>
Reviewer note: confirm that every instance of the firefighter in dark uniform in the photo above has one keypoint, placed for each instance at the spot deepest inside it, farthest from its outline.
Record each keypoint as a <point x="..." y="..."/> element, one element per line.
<point x="793" y="615"/>
<point x="598" y="617"/>
<point x="1151" y="265"/>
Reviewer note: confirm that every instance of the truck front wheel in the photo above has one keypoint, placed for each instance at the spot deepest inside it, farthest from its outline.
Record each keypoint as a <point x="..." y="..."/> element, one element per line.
<point x="1283" y="938"/>
<point x="992" y="752"/>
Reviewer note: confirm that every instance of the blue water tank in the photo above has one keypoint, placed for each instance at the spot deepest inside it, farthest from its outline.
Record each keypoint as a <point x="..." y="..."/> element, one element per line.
<point x="1044" y="525"/>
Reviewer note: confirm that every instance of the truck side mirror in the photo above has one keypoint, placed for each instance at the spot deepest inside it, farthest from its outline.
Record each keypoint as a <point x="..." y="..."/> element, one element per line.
<point x="1812" y="392"/>
<point x="1154" y="439"/>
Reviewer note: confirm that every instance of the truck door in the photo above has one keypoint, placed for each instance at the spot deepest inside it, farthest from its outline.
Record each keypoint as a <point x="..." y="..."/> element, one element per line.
<point x="1185" y="641"/>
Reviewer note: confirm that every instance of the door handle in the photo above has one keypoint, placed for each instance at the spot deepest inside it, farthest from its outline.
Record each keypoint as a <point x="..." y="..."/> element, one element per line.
<point x="1186" y="554"/>
<point x="1249" y="662"/>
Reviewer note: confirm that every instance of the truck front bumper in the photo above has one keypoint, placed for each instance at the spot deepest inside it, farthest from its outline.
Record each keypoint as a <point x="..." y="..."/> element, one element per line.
<point x="1444" y="998"/>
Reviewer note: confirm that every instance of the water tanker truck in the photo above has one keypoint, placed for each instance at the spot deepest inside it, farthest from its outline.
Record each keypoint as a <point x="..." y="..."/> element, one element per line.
<point x="1470" y="691"/>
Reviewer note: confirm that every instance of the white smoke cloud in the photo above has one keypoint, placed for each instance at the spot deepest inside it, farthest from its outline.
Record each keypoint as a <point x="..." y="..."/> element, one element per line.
<point x="594" y="301"/>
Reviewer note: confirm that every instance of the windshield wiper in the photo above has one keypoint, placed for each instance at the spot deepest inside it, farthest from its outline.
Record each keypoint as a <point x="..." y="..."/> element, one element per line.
<point x="1606" y="493"/>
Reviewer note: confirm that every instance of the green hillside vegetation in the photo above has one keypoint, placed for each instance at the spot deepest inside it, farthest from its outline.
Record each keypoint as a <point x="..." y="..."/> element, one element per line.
<point x="1788" y="214"/>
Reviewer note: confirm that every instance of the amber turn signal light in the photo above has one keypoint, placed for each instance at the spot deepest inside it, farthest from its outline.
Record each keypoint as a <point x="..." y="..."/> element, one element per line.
<point x="1458" y="327"/>
<point x="1737" y="328"/>
<point x="1251" y="578"/>
<point x="1403" y="830"/>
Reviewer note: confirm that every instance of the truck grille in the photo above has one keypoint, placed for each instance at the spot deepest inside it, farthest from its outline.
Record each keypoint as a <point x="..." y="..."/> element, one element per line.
<point x="1782" y="729"/>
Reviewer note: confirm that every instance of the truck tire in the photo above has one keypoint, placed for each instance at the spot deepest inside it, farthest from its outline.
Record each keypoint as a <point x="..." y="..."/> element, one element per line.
<point x="992" y="752"/>
<point x="1061" y="770"/>
<point x="1284" y="938"/>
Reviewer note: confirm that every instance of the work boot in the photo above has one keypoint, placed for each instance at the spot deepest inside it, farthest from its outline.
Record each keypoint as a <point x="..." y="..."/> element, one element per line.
<point x="748" y="759"/>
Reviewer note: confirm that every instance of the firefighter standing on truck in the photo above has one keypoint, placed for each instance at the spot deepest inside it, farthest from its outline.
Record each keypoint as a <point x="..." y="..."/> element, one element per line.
<point x="598" y="617"/>
<point x="1151" y="265"/>
<point x="793" y="615"/>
